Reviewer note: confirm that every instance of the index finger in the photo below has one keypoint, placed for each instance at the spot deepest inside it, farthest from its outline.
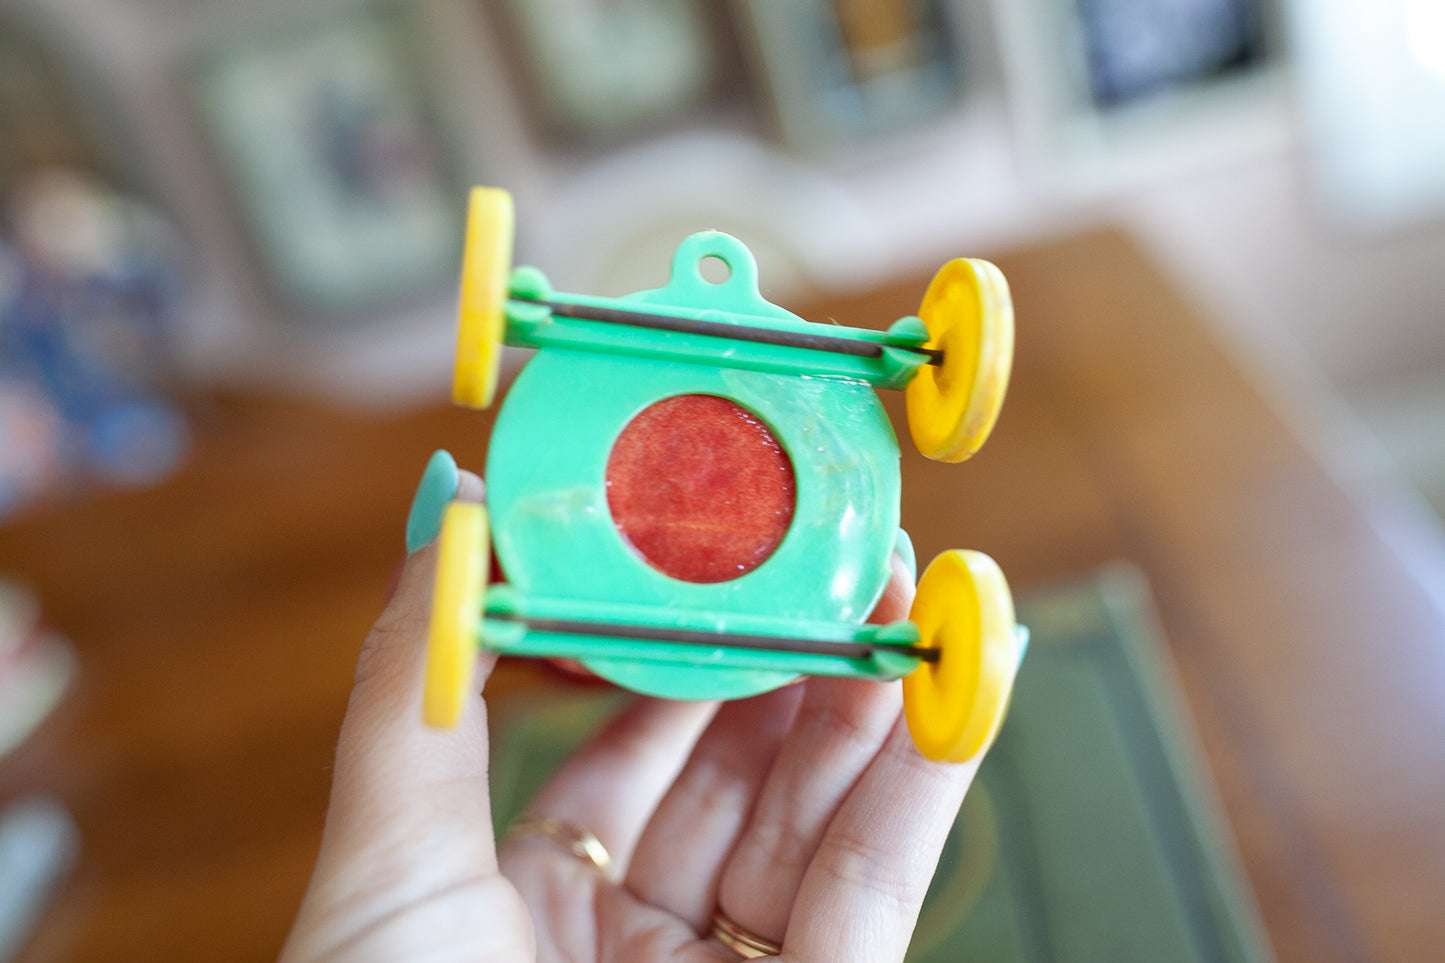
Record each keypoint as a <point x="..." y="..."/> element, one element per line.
<point x="408" y="803"/>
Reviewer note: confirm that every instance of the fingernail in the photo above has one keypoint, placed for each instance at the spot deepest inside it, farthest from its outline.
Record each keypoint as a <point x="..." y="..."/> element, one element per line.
<point x="437" y="488"/>
<point x="903" y="546"/>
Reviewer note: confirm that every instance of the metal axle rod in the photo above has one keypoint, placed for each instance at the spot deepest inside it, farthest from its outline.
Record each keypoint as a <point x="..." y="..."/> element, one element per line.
<point x="737" y="332"/>
<point x="770" y="643"/>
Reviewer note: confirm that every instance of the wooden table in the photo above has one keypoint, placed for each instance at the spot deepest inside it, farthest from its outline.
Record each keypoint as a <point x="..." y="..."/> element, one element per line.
<point x="218" y="617"/>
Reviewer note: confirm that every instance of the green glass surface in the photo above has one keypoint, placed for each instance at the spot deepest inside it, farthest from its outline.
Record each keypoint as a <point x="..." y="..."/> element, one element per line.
<point x="1090" y="833"/>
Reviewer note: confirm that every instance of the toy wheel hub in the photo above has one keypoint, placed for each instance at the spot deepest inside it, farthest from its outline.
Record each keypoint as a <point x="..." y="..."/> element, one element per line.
<point x="700" y="488"/>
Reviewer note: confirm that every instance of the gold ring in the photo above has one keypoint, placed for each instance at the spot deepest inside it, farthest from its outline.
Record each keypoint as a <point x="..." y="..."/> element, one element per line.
<point x="576" y="840"/>
<point x="748" y="946"/>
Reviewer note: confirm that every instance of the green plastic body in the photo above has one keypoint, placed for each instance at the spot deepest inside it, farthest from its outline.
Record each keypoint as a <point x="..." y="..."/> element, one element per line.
<point x="735" y="301"/>
<point x="546" y="491"/>
<point x="652" y="667"/>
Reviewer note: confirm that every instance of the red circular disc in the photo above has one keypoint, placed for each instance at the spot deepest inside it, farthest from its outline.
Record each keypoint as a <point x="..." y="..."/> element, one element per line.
<point x="700" y="488"/>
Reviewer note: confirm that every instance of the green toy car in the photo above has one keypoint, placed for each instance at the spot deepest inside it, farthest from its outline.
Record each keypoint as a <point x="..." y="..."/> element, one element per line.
<point x="695" y="493"/>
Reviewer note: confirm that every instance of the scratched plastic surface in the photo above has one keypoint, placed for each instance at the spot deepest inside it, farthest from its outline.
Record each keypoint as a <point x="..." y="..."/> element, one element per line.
<point x="700" y="488"/>
<point x="554" y="531"/>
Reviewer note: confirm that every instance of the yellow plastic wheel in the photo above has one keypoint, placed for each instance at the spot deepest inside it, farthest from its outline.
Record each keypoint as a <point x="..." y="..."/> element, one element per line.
<point x="955" y="705"/>
<point x="952" y="407"/>
<point x="463" y="555"/>
<point x="481" y="314"/>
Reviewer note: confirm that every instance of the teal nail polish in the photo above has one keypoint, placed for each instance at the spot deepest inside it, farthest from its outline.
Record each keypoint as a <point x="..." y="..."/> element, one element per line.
<point x="437" y="488"/>
<point x="903" y="545"/>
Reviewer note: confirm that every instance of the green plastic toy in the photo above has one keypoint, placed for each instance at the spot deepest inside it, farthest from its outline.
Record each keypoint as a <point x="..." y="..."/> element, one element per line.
<point x="695" y="493"/>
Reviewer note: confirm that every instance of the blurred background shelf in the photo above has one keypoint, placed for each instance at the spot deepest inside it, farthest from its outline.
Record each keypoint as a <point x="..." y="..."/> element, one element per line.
<point x="1281" y="160"/>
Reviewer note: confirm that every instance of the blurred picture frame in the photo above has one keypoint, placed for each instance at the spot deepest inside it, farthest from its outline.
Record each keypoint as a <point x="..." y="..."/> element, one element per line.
<point x="600" y="70"/>
<point x="840" y="73"/>
<point x="333" y="157"/>
<point x="1105" y="92"/>
<point x="47" y="115"/>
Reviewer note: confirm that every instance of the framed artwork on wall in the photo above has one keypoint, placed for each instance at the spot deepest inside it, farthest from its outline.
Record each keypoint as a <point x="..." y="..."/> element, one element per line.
<point x="1133" y="51"/>
<point x="841" y="72"/>
<point x="325" y="135"/>
<point x="1102" y="90"/>
<point x="45" y="122"/>
<point x="597" y="70"/>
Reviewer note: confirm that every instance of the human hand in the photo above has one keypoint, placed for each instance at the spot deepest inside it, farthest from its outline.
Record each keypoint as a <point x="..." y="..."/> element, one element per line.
<point x="805" y="815"/>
